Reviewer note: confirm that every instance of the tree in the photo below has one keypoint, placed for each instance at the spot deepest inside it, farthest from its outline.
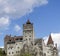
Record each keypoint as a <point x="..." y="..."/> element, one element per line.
<point x="25" y="54"/>
<point x="2" y="53"/>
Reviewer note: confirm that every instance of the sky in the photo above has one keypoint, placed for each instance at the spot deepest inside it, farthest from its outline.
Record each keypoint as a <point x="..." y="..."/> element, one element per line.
<point x="44" y="14"/>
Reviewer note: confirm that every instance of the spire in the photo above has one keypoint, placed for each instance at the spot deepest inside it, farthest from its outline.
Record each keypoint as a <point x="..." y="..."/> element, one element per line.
<point x="50" y="41"/>
<point x="28" y="22"/>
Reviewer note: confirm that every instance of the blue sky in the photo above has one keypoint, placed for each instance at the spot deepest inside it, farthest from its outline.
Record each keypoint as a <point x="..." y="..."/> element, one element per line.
<point x="44" y="14"/>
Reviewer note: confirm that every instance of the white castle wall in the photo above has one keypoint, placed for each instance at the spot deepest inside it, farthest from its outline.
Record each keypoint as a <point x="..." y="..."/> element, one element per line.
<point x="28" y="39"/>
<point x="16" y="48"/>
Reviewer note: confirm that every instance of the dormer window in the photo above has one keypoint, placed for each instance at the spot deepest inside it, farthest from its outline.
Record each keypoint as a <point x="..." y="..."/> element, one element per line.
<point x="9" y="40"/>
<point x="20" y="38"/>
<point x="16" y="39"/>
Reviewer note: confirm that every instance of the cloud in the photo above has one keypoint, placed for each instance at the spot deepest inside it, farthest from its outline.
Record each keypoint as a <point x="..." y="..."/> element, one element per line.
<point x="17" y="28"/>
<point x="19" y="8"/>
<point x="1" y="33"/>
<point x="56" y="39"/>
<point x="59" y="53"/>
<point x="4" y="22"/>
<point x="1" y="46"/>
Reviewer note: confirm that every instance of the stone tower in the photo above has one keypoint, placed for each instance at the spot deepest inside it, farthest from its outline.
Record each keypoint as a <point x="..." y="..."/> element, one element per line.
<point x="53" y="49"/>
<point x="50" y="44"/>
<point x="28" y="33"/>
<point x="6" y="39"/>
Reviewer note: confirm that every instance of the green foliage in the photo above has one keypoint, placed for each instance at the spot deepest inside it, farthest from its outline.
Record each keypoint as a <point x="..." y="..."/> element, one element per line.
<point x="25" y="54"/>
<point x="2" y="53"/>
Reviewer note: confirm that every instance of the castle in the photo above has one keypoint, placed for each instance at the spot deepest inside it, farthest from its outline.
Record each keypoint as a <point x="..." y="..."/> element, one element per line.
<point x="14" y="45"/>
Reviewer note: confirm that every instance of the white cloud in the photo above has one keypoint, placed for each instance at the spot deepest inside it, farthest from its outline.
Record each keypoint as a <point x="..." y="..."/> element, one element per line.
<point x="1" y="33"/>
<point x="56" y="39"/>
<point x="59" y="54"/>
<point x="18" y="8"/>
<point x="1" y="46"/>
<point x="9" y="10"/>
<point x="17" y="28"/>
<point x="4" y="21"/>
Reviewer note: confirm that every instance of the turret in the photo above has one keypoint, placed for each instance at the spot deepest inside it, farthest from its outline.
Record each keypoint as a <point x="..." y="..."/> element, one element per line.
<point x="50" y="41"/>
<point x="28" y="22"/>
<point x="55" y="51"/>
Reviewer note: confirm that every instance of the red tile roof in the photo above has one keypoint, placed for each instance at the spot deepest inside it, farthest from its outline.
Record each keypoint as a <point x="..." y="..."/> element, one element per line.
<point x="50" y="41"/>
<point x="10" y="38"/>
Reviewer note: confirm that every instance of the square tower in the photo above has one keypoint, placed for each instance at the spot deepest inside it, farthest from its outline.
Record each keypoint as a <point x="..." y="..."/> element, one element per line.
<point x="28" y="33"/>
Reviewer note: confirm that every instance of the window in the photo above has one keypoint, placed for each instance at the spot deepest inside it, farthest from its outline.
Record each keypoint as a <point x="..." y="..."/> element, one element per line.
<point x="26" y="39"/>
<point x="16" y="39"/>
<point x="44" y="54"/>
<point x="25" y="36"/>
<point x="16" y="51"/>
<point x="9" y="52"/>
<point x="29" y="36"/>
<point x="48" y="52"/>
<point x="11" y="47"/>
<point x="21" y="39"/>
<point x="18" y="47"/>
<point x="9" y="40"/>
<point x="29" y="39"/>
<point x="12" y="52"/>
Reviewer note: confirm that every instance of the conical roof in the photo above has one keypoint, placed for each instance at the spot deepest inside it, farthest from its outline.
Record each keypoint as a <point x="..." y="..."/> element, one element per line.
<point x="50" y="41"/>
<point x="28" y="22"/>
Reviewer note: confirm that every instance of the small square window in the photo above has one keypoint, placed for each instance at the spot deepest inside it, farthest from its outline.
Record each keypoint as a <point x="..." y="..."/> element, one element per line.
<point x="16" y="51"/>
<point x="9" y="52"/>
<point x="30" y="36"/>
<point x="18" y="47"/>
<point x="12" y="52"/>
<point x="25" y="36"/>
<point x="26" y="39"/>
<point x="29" y="39"/>
<point x="48" y="52"/>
